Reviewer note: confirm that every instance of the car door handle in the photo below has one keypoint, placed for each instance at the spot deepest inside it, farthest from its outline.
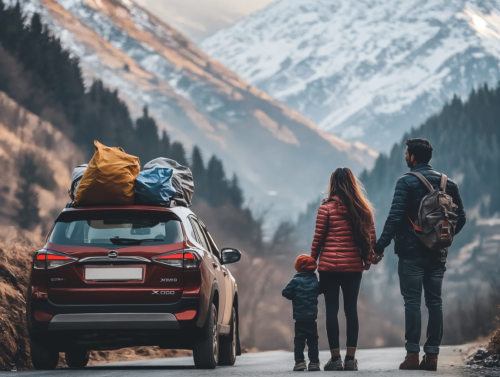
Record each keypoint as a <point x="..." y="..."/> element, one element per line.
<point x="215" y="265"/>
<point x="225" y="273"/>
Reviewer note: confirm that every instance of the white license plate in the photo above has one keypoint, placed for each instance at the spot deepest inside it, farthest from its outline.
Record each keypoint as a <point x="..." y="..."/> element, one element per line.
<point x="113" y="273"/>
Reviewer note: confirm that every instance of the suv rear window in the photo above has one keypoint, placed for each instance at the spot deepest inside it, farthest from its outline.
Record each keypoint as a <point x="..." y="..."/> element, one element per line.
<point x="116" y="228"/>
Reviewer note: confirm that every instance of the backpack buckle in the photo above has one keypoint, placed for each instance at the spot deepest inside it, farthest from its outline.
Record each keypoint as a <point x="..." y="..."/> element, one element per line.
<point x="445" y="230"/>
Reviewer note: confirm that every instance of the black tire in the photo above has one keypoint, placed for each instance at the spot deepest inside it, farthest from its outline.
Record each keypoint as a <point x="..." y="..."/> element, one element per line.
<point x="77" y="357"/>
<point x="206" y="348"/>
<point x="43" y="355"/>
<point x="228" y="344"/>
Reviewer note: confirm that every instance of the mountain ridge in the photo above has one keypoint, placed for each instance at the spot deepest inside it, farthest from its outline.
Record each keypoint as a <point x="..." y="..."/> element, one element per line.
<point x="366" y="71"/>
<point x="222" y="114"/>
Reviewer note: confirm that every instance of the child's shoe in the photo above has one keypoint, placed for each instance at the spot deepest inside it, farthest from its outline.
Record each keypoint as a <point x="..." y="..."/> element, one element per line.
<point x="351" y="365"/>
<point x="334" y="365"/>
<point x="313" y="367"/>
<point x="300" y="366"/>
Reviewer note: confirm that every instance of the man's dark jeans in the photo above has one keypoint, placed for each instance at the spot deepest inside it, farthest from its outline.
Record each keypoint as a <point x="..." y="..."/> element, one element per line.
<point x="413" y="275"/>
<point x="306" y="331"/>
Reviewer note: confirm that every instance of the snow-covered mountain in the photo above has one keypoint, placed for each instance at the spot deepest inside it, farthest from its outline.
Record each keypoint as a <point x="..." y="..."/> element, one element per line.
<point x="199" y="101"/>
<point x="365" y="70"/>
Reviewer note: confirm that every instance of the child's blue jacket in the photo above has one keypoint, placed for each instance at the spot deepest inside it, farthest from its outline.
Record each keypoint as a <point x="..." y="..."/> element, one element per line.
<point x="303" y="290"/>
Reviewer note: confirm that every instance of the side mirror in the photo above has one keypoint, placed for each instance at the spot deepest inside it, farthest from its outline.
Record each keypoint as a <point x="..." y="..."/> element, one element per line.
<point x="230" y="256"/>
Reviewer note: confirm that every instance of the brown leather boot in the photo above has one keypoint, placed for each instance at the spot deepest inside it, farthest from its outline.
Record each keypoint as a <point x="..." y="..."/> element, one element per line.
<point x="411" y="361"/>
<point x="429" y="362"/>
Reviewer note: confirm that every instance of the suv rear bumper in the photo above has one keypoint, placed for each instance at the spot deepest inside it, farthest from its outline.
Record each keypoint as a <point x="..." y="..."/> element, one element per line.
<point x="110" y="316"/>
<point x="114" y="321"/>
<point x="111" y="326"/>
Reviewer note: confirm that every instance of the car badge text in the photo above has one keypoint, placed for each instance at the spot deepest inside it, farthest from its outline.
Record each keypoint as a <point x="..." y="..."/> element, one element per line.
<point x="163" y="293"/>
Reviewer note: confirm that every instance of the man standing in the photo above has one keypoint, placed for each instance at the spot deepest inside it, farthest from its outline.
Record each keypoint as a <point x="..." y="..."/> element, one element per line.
<point x="418" y="265"/>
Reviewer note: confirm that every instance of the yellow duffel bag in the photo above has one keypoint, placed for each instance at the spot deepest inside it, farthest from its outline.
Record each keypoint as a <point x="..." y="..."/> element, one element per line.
<point x="109" y="178"/>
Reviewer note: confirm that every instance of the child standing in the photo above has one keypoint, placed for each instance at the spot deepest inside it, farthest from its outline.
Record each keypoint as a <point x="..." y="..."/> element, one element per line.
<point x="304" y="290"/>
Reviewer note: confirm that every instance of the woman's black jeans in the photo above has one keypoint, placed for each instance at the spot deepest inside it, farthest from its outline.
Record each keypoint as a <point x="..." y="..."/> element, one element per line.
<point x="331" y="283"/>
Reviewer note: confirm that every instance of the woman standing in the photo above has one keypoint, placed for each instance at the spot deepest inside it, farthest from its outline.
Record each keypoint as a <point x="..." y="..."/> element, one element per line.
<point x="343" y="241"/>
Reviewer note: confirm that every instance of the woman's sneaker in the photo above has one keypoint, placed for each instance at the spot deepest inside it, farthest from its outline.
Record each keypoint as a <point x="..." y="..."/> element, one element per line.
<point x="313" y="367"/>
<point x="334" y="365"/>
<point x="351" y="365"/>
<point x="300" y="366"/>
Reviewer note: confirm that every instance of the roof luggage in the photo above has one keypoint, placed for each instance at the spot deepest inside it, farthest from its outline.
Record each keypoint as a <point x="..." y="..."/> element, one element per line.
<point x="182" y="179"/>
<point x="109" y="178"/>
<point x="76" y="177"/>
<point x="154" y="187"/>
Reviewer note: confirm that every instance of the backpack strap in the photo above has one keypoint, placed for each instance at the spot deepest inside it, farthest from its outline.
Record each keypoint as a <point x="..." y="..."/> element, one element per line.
<point x="422" y="179"/>
<point x="416" y="227"/>
<point x="444" y="180"/>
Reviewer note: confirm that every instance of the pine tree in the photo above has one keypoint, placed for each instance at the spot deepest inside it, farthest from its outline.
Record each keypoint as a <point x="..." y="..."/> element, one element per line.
<point x="178" y="153"/>
<point x="12" y="28"/>
<point x="147" y="137"/>
<point x="105" y="117"/>
<point x="199" y="172"/>
<point x="235" y="193"/>
<point x="217" y="186"/>
<point x="27" y="211"/>
<point x="164" y="145"/>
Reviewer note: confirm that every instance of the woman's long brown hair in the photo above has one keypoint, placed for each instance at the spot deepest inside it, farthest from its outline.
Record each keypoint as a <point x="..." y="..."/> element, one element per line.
<point x="345" y="186"/>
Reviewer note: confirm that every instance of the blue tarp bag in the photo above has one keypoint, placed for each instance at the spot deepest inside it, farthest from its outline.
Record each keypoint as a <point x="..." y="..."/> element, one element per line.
<point x="154" y="187"/>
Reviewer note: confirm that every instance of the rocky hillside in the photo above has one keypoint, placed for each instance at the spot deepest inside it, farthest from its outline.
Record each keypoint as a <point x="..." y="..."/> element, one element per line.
<point x="197" y="99"/>
<point x="23" y="136"/>
<point x="366" y="70"/>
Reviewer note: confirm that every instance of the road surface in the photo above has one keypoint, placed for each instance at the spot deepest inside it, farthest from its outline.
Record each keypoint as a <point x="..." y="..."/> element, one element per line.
<point x="373" y="362"/>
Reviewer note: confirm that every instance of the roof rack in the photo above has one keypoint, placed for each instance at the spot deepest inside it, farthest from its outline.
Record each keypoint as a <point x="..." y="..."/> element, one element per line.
<point x="171" y="204"/>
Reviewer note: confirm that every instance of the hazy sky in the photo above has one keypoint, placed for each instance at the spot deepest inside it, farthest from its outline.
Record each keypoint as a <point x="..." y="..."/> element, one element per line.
<point x="197" y="19"/>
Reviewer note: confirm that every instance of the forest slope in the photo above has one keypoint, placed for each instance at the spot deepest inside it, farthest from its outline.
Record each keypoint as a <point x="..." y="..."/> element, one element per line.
<point x="197" y="99"/>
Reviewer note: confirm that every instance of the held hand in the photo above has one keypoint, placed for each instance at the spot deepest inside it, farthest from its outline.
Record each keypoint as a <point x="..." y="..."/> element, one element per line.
<point x="367" y="267"/>
<point x="377" y="258"/>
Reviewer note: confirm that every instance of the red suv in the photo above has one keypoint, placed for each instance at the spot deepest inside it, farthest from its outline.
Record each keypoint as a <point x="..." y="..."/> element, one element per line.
<point x="114" y="277"/>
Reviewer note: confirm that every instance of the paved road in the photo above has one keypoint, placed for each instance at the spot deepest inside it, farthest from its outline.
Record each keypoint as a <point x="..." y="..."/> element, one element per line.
<point x="374" y="362"/>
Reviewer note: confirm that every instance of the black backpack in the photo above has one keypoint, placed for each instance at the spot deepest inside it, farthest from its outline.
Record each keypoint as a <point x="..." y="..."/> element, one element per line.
<point x="436" y="219"/>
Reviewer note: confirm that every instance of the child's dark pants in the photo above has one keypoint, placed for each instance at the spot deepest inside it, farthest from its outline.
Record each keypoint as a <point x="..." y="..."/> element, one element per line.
<point x="306" y="331"/>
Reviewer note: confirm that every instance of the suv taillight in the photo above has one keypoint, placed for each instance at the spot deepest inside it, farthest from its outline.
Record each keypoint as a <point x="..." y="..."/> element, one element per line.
<point x="39" y="263"/>
<point x="180" y="259"/>
<point x="49" y="260"/>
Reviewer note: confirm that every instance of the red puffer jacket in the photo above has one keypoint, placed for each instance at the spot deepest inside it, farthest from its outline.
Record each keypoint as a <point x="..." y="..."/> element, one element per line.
<point x="333" y="240"/>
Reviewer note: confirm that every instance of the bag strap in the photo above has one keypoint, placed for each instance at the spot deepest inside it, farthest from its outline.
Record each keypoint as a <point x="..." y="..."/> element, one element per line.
<point x="416" y="227"/>
<point x="422" y="179"/>
<point x="444" y="180"/>
<point x="73" y="185"/>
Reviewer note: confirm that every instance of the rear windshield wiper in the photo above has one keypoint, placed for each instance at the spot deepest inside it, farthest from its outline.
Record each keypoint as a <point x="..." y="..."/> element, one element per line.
<point x="133" y="241"/>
